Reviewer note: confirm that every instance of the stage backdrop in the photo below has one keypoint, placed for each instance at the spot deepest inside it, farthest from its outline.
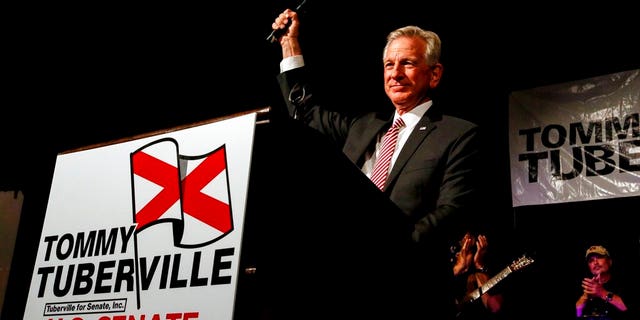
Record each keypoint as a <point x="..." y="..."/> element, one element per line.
<point x="148" y="228"/>
<point x="576" y="141"/>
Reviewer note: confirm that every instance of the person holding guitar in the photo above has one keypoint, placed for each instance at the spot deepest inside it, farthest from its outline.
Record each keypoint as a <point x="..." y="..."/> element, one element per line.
<point x="470" y="272"/>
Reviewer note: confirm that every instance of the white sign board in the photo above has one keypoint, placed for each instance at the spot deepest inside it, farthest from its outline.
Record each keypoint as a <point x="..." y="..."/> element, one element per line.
<point x="576" y="141"/>
<point x="146" y="229"/>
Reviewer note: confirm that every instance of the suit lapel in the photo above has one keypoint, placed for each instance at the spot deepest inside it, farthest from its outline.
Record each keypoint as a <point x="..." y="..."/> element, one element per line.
<point x="365" y="136"/>
<point x="370" y="129"/>
<point x="417" y="136"/>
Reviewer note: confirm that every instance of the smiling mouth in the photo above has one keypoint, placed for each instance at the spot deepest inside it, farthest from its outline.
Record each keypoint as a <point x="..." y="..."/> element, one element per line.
<point x="397" y="86"/>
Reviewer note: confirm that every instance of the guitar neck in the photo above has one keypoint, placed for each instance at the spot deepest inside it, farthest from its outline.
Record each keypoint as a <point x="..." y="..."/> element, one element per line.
<point x="477" y="293"/>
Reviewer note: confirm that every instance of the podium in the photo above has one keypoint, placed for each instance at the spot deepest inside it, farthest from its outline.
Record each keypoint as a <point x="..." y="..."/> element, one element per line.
<point x="320" y="240"/>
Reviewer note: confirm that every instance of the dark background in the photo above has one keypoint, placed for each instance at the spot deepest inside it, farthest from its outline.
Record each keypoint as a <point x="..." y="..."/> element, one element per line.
<point x="85" y="74"/>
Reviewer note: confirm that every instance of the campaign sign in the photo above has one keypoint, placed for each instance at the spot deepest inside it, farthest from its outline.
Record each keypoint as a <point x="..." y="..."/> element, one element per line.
<point x="149" y="228"/>
<point x="576" y="141"/>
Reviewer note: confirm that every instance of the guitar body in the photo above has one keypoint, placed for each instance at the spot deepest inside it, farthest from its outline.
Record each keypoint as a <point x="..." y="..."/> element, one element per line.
<point x="472" y="309"/>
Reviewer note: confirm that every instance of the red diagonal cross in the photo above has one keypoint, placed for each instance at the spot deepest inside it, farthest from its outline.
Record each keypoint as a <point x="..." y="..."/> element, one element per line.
<point x="162" y="174"/>
<point x="199" y="205"/>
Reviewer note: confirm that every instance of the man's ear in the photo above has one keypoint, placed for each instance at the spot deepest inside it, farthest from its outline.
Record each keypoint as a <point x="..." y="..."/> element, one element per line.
<point x="436" y="74"/>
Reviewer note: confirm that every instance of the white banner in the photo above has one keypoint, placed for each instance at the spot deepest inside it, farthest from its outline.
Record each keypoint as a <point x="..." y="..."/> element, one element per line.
<point x="146" y="229"/>
<point x="576" y="141"/>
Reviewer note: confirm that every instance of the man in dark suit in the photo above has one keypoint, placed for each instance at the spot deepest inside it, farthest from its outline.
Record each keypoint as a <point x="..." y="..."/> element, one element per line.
<point x="432" y="179"/>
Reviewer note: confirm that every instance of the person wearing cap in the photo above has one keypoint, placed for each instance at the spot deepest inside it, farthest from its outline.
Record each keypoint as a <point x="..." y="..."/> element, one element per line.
<point x="602" y="295"/>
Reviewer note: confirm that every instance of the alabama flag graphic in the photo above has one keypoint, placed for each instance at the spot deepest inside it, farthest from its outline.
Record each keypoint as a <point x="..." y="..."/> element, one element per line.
<point x="191" y="192"/>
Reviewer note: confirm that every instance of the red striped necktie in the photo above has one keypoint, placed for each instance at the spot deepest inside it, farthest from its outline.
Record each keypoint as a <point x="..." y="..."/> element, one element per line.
<point x="381" y="168"/>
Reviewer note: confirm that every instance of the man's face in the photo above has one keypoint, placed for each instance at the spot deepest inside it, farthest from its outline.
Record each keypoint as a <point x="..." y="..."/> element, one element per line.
<point x="598" y="264"/>
<point x="407" y="76"/>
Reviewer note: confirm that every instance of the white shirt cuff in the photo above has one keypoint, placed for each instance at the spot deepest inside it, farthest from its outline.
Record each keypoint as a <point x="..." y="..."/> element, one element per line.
<point x="291" y="63"/>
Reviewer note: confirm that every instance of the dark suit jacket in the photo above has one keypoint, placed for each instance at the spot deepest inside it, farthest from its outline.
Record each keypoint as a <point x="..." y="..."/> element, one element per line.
<point x="433" y="181"/>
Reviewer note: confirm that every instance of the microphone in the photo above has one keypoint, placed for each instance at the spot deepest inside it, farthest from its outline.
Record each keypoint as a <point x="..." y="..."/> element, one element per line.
<point x="275" y="34"/>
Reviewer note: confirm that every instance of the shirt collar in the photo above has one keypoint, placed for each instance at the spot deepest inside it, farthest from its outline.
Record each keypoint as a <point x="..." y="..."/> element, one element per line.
<point x="412" y="117"/>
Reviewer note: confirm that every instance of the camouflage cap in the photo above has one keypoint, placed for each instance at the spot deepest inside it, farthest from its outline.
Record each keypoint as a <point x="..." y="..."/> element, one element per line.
<point x="599" y="250"/>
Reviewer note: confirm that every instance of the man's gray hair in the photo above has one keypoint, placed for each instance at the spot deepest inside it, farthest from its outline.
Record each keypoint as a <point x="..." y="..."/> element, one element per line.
<point x="433" y="47"/>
